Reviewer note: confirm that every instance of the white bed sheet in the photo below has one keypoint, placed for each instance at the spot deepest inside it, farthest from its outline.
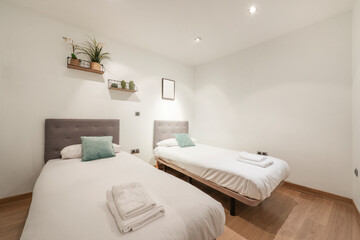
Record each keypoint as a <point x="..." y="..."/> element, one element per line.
<point x="220" y="166"/>
<point x="69" y="202"/>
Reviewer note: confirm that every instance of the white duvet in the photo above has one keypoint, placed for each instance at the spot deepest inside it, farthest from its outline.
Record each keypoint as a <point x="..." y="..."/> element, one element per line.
<point x="220" y="166"/>
<point x="69" y="202"/>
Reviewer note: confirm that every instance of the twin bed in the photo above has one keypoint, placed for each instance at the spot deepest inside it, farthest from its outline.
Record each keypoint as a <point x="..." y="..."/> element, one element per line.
<point x="218" y="167"/>
<point x="69" y="197"/>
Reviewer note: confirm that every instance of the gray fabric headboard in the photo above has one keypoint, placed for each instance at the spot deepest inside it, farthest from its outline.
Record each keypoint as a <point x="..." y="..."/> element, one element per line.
<point x="60" y="133"/>
<point x="166" y="129"/>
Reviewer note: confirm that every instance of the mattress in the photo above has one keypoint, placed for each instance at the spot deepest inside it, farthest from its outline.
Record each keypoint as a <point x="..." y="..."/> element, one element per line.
<point x="220" y="166"/>
<point x="69" y="202"/>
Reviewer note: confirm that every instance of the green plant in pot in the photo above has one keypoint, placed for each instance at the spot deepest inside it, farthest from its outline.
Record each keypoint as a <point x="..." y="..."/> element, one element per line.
<point x="94" y="50"/>
<point x="73" y="60"/>
<point x="123" y="84"/>
<point x="114" y="85"/>
<point x="132" y="86"/>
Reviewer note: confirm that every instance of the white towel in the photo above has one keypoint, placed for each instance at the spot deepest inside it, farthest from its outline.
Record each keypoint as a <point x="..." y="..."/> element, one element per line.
<point x="131" y="200"/>
<point x="264" y="163"/>
<point x="136" y="222"/>
<point x="252" y="157"/>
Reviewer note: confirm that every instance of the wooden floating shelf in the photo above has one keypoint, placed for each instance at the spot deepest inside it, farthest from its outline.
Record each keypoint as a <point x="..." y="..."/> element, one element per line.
<point x="119" y="88"/>
<point x="84" y="66"/>
<point x="124" y="90"/>
<point x="85" y="69"/>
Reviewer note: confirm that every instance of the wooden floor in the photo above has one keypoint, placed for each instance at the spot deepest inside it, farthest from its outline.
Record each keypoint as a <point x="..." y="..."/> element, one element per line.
<point x="287" y="214"/>
<point x="12" y="219"/>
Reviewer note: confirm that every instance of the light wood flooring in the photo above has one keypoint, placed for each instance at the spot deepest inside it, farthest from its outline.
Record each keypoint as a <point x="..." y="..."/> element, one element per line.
<point x="12" y="219"/>
<point x="287" y="214"/>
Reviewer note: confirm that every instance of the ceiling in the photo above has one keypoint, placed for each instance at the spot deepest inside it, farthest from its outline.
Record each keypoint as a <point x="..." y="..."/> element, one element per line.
<point x="169" y="27"/>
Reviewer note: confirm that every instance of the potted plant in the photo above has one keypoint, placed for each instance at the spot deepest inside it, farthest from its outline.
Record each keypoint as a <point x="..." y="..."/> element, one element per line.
<point x="93" y="50"/>
<point x="123" y="84"/>
<point x="114" y="85"/>
<point x="73" y="60"/>
<point x="132" y="86"/>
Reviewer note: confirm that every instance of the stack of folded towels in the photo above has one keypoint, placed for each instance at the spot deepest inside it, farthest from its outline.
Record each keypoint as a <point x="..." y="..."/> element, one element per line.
<point x="255" y="159"/>
<point x="132" y="207"/>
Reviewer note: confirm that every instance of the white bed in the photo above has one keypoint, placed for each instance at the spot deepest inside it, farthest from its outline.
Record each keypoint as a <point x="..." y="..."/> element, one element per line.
<point x="69" y="202"/>
<point x="220" y="166"/>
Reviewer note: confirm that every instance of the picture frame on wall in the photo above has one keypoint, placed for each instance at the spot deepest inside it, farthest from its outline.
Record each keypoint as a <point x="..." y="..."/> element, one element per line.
<point x="168" y="89"/>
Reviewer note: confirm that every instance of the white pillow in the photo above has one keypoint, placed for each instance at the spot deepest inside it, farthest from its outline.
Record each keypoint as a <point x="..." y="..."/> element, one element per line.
<point x="171" y="142"/>
<point x="74" y="151"/>
<point x="116" y="147"/>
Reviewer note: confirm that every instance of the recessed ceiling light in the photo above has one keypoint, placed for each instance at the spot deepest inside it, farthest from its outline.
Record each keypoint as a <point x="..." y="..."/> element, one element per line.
<point x="252" y="10"/>
<point x="197" y="39"/>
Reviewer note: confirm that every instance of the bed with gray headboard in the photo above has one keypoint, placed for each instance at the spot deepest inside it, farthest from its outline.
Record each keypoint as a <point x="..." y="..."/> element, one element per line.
<point x="60" y="133"/>
<point x="167" y="129"/>
<point x="70" y="196"/>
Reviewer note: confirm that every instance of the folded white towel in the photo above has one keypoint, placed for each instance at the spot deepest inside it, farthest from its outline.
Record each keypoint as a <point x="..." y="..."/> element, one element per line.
<point x="264" y="163"/>
<point x="136" y="222"/>
<point x="252" y="157"/>
<point x="131" y="200"/>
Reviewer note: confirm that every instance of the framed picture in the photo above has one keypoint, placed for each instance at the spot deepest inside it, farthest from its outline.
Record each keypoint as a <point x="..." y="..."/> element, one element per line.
<point x="168" y="89"/>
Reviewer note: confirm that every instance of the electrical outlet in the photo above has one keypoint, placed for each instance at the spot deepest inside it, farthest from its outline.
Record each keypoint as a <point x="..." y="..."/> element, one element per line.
<point x="356" y="172"/>
<point x="133" y="151"/>
<point x="262" y="153"/>
<point x="137" y="114"/>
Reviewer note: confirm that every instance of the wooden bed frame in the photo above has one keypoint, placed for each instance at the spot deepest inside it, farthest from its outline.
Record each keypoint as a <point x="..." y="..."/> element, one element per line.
<point x="164" y="130"/>
<point x="233" y="195"/>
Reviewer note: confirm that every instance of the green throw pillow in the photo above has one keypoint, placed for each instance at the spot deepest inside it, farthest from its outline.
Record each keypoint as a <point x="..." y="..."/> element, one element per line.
<point x="96" y="148"/>
<point x="184" y="140"/>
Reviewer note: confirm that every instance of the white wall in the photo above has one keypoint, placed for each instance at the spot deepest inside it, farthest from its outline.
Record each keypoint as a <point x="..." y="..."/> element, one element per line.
<point x="35" y="84"/>
<point x="356" y="100"/>
<point x="290" y="97"/>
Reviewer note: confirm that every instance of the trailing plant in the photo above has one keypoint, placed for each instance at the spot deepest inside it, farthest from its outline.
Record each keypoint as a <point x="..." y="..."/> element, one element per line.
<point x="123" y="84"/>
<point x="93" y="50"/>
<point x="131" y="85"/>
<point x="114" y="85"/>
<point x="74" y="47"/>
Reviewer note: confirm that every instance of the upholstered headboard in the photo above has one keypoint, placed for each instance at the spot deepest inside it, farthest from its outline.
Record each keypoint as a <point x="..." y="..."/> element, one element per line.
<point x="166" y="129"/>
<point x="60" y="133"/>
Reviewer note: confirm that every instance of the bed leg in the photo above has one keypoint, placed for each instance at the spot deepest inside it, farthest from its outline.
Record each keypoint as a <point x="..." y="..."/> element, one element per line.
<point x="164" y="168"/>
<point x="232" y="206"/>
<point x="190" y="180"/>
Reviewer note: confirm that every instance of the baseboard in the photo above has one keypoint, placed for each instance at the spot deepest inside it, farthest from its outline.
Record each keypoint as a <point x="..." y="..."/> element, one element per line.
<point x="12" y="199"/>
<point x="317" y="193"/>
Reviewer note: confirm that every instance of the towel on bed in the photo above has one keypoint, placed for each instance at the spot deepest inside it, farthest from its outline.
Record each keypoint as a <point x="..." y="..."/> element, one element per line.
<point x="131" y="200"/>
<point x="264" y="163"/>
<point x="252" y="157"/>
<point x="134" y="223"/>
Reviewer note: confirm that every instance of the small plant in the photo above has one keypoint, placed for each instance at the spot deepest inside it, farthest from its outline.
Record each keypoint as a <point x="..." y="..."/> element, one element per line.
<point x="74" y="47"/>
<point x="123" y="84"/>
<point x="93" y="50"/>
<point x="131" y="85"/>
<point x="114" y="85"/>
